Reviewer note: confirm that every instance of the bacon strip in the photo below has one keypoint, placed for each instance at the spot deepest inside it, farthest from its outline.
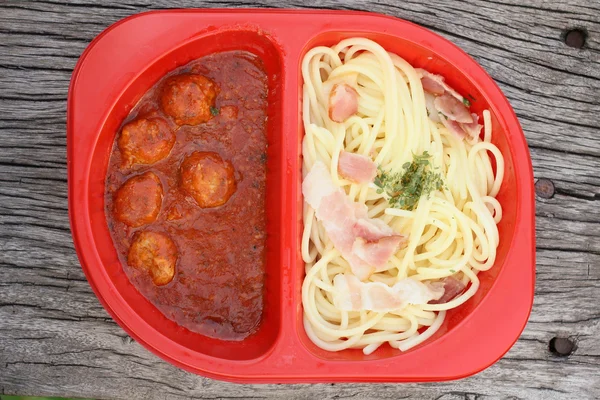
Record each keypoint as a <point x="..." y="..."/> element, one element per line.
<point x="452" y="288"/>
<point x="453" y="109"/>
<point x="447" y="106"/>
<point x="350" y="294"/>
<point x="439" y="81"/>
<point x="366" y="243"/>
<point x="343" y="102"/>
<point x="454" y="127"/>
<point x="473" y="129"/>
<point x="432" y="86"/>
<point x="356" y="167"/>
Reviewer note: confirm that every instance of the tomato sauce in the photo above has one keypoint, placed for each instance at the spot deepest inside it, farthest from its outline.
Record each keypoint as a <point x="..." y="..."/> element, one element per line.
<point x="217" y="288"/>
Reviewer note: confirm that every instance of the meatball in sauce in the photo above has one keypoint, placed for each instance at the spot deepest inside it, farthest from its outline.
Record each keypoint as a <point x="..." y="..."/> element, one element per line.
<point x="154" y="253"/>
<point x="189" y="98"/>
<point x="138" y="201"/>
<point x="145" y="141"/>
<point x="207" y="178"/>
<point x="185" y="195"/>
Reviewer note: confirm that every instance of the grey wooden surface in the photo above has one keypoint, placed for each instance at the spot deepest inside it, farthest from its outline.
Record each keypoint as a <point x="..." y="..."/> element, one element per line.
<point x="55" y="337"/>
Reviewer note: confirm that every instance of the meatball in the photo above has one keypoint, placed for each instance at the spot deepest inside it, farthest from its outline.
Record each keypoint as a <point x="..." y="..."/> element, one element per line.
<point x="146" y="141"/>
<point x="154" y="253"/>
<point x="207" y="178"/>
<point x="189" y="98"/>
<point x="138" y="200"/>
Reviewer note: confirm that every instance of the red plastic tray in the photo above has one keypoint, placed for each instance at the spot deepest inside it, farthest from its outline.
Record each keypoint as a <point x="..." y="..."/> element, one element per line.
<point x="131" y="55"/>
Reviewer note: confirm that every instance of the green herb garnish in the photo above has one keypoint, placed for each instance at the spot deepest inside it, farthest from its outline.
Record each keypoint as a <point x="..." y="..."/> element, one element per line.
<point x="466" y="102"/>
<point x="452" y="271"/>
<point x="404" y="189"/>
<point x="214" y="111"/>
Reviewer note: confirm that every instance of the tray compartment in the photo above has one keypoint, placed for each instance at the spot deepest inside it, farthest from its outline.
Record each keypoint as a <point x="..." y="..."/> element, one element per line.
<point x="260" y="45"/>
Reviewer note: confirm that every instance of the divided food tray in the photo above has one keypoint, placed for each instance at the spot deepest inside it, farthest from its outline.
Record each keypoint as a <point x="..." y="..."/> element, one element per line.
<point x="123" y="62"/>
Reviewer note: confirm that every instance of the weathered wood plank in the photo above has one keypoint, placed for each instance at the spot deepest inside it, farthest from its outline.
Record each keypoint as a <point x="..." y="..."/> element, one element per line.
<point x="55" y="337"/>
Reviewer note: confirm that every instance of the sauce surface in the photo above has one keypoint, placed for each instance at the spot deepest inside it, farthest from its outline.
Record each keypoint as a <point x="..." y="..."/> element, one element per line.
<point x="217" y="287"/>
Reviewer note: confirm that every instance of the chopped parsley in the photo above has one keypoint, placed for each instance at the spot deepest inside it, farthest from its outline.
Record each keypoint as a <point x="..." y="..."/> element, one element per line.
<point x="466" y="102"/>
<point x="214" y="111"/>
<point x="404" y="189"/>
<point x="452" y="271"/>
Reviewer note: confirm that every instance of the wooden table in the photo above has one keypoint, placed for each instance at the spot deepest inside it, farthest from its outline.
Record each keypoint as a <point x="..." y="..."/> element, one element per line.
<point x="55" y="337"/>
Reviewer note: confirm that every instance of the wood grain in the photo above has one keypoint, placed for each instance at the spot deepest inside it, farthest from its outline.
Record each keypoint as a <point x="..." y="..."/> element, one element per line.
<point x="55" y="337"/>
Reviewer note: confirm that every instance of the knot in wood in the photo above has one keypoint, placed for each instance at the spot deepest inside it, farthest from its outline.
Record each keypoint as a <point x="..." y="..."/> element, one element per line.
<point x="575" y="38"/>
<point x="544" y="188"/>
<point x="561" y="346"/>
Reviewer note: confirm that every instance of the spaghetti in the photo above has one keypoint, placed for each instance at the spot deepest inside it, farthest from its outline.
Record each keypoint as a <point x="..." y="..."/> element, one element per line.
<point x="450" y="232"/>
